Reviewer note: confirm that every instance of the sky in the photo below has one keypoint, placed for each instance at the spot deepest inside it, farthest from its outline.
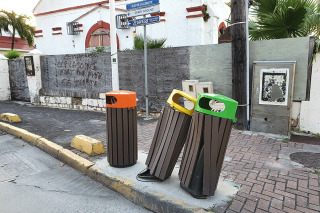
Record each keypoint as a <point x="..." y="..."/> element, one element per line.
<point x="19" y="6"/>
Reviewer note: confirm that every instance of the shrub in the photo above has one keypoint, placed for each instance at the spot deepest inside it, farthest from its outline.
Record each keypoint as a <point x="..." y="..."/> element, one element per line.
<point x="98" y="50"/>
<point x="12" y="54"/>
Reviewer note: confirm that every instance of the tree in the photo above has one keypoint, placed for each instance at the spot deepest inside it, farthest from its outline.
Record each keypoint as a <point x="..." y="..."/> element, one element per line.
<point x="275" y="19"/>
<point x="13" y="23"/>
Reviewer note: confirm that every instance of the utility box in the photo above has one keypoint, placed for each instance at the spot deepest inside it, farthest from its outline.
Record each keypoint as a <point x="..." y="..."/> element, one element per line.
<point x="204" y="87"/>
<point x="189" y="87"/>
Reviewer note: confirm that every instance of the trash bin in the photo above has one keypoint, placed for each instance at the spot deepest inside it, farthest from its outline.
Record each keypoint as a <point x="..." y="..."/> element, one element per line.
<point x="169" y="138"/>
<point x="122" y="147"/>
<point x="206" y="144"/>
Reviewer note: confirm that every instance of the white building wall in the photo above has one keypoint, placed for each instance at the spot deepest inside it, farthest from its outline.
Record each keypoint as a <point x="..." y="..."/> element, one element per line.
<point x="5" y="93"/>
<point x="310" y="110"/>
<point x="179" y="30"/>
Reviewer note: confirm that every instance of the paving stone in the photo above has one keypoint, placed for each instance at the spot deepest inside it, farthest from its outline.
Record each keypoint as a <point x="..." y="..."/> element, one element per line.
<point x="250" y="205"/>
<point x="313" y="199"/>
<point x="236" y="206"/>
<point x="275" y="203"/>
<point x="289" y="202"/>
<point x="302" y="201"/>
<point x="263" y="204"/>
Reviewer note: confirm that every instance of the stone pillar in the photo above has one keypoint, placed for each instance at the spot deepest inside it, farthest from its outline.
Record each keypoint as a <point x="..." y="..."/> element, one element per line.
<point x="34" y="82"/>
<point x="5" y="93"/>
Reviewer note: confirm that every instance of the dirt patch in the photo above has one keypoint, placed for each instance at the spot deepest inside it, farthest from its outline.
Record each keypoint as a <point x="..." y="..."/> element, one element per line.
<point x="308" y="159"/>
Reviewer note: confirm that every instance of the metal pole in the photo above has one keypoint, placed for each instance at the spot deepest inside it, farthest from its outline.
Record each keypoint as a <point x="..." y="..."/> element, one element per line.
<point x="114" y="51"/>
<point x="146" y="69"/>
<point x="247" y="35"/>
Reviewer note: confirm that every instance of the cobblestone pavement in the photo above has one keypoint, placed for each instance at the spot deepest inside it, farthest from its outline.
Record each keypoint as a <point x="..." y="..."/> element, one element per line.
<point x="252" y="161"/>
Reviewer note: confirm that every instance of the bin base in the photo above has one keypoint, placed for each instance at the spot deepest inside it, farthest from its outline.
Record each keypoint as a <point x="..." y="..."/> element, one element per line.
<point x="145" y="174"/>
<point x="192" y="192"/>
<point x="122" y="166"/>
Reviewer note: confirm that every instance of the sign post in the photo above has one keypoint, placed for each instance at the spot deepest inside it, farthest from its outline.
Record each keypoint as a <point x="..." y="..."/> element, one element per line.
<point x="139" y="9"/>
<point x="114" y="51"/>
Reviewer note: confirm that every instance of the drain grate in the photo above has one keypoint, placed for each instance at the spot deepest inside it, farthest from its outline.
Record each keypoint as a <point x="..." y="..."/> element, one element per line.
<point x="308" y="159"/>
<point x="2" y="133"/>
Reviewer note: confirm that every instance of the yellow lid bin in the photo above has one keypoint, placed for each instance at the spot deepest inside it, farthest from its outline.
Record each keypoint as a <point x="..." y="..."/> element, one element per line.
<point x="173" y="101"/>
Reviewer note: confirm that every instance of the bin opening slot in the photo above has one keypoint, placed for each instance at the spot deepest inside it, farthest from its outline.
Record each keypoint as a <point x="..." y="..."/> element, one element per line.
<point x="111" y="100"/>
<point x="212" y="105"/>
<point x="179" y="99"/>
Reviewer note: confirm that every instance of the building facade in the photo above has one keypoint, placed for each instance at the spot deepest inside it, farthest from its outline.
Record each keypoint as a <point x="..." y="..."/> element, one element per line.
<point x="182" y="24"/>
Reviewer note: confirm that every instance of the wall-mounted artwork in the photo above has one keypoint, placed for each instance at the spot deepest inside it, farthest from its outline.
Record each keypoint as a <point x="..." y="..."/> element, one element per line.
<point x="274" y="86"/>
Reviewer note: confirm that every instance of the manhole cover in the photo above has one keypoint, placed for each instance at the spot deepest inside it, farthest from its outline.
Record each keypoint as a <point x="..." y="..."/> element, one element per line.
<point x="308" y="159"/>
<point x="11" y="166"/>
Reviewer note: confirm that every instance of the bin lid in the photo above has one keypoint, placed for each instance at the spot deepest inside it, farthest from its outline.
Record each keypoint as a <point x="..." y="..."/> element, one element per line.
<point x="203" y="105"/>
<point x="121" y="99"/>
<point x="173" y="101"/>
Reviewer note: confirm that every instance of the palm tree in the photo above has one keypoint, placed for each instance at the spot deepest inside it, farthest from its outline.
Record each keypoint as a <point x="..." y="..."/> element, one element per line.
<point x="275" y="19"/>
<point x="13" y="23"/>
<point x="151" y="43"/>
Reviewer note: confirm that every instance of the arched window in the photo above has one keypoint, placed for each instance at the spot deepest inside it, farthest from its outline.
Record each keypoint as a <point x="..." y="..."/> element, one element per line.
<point x="100" y="37"/>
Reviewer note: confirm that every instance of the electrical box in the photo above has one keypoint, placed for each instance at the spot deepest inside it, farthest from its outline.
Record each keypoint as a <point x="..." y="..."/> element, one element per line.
<point x="204" y="87"/>
<point x="189" y="86"/>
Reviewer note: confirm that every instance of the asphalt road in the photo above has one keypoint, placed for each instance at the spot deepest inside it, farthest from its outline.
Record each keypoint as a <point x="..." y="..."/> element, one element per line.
<point x="33" y="181"/>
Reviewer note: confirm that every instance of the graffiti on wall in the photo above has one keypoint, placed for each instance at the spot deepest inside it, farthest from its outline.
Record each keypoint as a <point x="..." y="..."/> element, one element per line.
<point x="75" y="72"/>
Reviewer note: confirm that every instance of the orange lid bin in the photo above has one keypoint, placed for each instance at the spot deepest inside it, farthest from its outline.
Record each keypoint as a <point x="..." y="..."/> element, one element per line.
<point x="121" y="99"/>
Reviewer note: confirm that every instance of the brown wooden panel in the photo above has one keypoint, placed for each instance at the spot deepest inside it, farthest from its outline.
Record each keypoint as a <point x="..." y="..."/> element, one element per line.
<point x="158" y="140"/>
<point x="160" y="171"/>
<point x="174" y="148"/>
<point x="207" y="150"/>
<point x="135" y="136"/>
<point x="165" y="135"/>
<point x="109" y="135"/>
<point x="131" y="137"/>
<point x="196" y="149"/>
<point x="180" y="143"/>
<point x="114" y="137"/>
<point x="222" y="152"/>
<point x="126" y="155"/>
<point x="188" y="149"/>
<point x="215" y="145"/>
<point x="155" y="137"/>
<point x="119" y="136"/>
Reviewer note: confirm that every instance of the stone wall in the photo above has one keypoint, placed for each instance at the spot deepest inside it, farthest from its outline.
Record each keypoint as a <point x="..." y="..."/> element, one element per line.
<point x="18" y="80"/>
<point x="88" y="75"/>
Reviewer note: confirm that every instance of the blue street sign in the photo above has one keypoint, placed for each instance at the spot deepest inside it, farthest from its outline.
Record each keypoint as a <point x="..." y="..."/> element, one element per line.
<point x="143" y="11"/>
<point x="144" y="21"/>
<point x="141" y="4"/>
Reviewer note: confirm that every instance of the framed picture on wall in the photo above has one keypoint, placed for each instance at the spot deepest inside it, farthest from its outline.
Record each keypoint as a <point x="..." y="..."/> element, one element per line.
<point x="28" y="60"/>
<point x="274" y="86"/>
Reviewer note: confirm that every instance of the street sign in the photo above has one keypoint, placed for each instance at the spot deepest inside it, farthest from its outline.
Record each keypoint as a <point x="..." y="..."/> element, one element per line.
<point x="141" y="4"/>
<point x="144" y="21"/>
<point x="143" y="11"/>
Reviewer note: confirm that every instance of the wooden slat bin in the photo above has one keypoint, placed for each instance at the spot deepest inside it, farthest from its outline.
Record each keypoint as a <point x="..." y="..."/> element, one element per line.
<point x="206" y="145"/>
<point x="169" y="137"/>
<point x="122" y="146"/>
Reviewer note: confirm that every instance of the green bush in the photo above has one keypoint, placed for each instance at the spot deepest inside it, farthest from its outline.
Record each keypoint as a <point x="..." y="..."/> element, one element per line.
<point x="12" y="54"/>
<point x="98" y="50"/>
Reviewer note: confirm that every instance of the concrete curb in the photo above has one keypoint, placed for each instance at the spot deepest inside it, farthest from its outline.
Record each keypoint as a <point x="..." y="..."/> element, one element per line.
<point x="157" y="202"/>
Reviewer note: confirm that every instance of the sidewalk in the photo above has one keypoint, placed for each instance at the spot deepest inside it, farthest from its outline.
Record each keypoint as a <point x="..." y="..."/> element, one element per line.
<point x="261" y="166"/>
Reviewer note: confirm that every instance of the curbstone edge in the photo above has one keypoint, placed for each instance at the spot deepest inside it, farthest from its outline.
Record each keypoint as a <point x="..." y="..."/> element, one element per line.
<point x="79" y="163"/>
